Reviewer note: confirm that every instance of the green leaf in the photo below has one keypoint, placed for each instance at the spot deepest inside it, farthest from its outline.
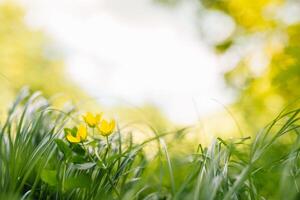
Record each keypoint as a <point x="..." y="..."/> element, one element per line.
<point x="78" y="149"/>
<point x="93" y="143"/>
<point x="81" y="181"/>
<point x="77" y="159"/>
<point x="67" y="131"/>
<point x="63" y="147"/>
<point x="73" y="131"/>
<point x="49" y="176"/>
<point x="101" y="164"/>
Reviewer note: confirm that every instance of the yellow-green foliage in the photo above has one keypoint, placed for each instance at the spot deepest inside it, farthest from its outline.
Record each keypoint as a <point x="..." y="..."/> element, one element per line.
<point x="262" y="95"/>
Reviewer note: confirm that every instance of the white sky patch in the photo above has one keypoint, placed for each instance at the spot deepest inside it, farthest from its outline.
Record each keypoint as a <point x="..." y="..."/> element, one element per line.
<point x="289" y="13"/>
<point x="216" y="26"/>
<point x="136" y="51"/>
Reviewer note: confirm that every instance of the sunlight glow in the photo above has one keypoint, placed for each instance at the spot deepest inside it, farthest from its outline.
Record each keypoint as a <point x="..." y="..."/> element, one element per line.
<point x="135" y="51"/>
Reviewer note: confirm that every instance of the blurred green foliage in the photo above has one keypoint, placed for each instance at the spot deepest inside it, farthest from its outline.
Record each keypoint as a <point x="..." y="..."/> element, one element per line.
<point x="261" y="96"/>
<point x="248" y="14"/>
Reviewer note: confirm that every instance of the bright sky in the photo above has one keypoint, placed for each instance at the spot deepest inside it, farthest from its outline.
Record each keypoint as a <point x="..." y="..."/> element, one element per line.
<point x="136" y="51"/>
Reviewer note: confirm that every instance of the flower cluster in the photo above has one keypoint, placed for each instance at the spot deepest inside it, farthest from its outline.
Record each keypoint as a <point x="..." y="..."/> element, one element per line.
<point x="79" y="134"/>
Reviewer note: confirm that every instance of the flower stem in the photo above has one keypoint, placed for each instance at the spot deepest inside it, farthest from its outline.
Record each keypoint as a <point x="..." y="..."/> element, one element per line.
<point x="107" y="149"/>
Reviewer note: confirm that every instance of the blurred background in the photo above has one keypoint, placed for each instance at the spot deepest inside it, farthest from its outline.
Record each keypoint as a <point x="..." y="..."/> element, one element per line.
<point x="226" y="67"/>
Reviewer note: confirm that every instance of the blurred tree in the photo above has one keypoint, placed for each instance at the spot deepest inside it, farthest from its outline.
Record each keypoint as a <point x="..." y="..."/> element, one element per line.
<point x="263" y="90"/>
<point x="266" y="40"/>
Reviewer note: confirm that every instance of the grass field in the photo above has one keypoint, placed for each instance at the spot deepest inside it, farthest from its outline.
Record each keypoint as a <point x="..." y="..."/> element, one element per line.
<point x="37" y="161"/>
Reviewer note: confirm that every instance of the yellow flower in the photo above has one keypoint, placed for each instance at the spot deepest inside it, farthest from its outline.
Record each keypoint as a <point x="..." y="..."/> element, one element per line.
<point x="92" y="120"/>
<point x="80" y="134"/>
<point x="106" y="127"/>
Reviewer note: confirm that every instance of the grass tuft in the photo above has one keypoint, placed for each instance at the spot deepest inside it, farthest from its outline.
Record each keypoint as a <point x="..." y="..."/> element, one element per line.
<point x="37" y="162"/>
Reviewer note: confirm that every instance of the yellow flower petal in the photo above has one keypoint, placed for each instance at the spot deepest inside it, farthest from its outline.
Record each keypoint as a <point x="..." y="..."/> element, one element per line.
<point x="89" y="118"/>
<point x="106" y="128"/>
<point x="97" y="119"/>
<point x="92" y="120"/>
<point x="73" y="139"/>
<point x="82" y="132"/>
